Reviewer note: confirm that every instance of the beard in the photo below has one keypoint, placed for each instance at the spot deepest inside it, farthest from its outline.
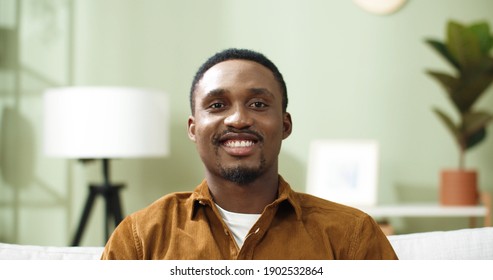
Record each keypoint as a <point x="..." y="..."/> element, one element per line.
<point x="239" y="174"/>
<point x="242" y="175"/>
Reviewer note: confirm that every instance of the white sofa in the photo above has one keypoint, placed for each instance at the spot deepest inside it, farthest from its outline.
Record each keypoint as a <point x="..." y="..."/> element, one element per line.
<point x="463" y="244"/>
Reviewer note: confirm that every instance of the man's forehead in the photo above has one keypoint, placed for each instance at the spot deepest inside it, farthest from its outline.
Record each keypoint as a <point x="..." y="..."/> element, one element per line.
<point x="232" y="71"/>
<point x="238" y="65"/>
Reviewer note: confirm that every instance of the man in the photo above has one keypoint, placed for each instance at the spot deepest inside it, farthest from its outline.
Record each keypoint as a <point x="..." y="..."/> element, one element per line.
<point x="244" y="209"/>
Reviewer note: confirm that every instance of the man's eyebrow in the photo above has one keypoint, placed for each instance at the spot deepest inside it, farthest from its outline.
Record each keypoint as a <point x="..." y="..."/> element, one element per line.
<point x="216" y="93"/>
<point x="261" y="91"/>
<point x="219" y="92"/>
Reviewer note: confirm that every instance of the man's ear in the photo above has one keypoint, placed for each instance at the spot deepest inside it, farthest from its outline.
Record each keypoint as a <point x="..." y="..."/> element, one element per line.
<point x="191" y="128"/>
<point x="287" y="125"/>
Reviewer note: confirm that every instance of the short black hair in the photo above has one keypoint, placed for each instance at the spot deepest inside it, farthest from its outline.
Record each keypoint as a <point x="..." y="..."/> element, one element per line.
<point x="243" y="54"/>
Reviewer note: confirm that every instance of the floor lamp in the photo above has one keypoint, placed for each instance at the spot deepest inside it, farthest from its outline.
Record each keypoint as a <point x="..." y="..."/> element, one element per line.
<point x="104" y="123"/>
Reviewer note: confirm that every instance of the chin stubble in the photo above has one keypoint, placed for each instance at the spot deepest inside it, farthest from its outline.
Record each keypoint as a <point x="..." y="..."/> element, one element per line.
<point x="238" y="174"/>
<point x="242" y="175"/>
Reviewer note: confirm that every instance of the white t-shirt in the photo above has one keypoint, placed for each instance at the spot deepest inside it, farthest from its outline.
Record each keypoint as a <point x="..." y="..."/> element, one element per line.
<point x="238" y="223"/>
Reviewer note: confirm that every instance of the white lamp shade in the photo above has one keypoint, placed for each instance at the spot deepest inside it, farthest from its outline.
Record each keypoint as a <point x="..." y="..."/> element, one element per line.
<point x="105" y="122"/>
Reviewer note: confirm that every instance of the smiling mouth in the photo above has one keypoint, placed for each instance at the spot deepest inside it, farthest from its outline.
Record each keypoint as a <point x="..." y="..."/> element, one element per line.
<point x="238" y="143"/>
<point x="239" y="147"/>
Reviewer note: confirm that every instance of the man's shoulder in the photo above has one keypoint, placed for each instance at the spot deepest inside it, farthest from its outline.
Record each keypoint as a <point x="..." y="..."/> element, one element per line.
<point x="311" y="204"/>
<point x="164" y="203"/>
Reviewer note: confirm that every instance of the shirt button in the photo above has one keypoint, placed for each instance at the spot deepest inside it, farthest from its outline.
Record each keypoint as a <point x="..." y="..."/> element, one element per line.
<point x="226" y="232"/>
<point x="201" y="202"/>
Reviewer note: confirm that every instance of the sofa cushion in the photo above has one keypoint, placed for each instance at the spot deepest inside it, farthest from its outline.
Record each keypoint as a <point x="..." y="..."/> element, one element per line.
<point x="463" y="244"/>
<point x="31" y="252"/>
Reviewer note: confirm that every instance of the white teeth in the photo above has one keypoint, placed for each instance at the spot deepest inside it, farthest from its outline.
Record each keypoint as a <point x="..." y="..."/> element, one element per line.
<point x="239" y="144"/>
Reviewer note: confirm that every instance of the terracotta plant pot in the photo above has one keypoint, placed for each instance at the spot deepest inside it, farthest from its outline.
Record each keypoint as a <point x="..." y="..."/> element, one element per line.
<point x="458" y="187"/>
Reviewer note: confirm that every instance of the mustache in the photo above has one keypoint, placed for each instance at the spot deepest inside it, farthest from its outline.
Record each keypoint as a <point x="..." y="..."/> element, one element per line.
<point x="217" y="137"/>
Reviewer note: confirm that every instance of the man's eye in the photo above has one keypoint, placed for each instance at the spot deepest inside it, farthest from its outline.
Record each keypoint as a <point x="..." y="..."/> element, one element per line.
<point x="217" y="106"/>
<point x="258" y="104"/>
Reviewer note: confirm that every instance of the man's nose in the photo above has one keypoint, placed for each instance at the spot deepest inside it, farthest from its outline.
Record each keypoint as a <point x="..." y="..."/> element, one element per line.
<point x="238" y="118"/>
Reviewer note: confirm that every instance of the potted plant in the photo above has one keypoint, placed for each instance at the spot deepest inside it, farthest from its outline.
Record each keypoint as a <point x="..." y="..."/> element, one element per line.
<point x="467" y="48"/>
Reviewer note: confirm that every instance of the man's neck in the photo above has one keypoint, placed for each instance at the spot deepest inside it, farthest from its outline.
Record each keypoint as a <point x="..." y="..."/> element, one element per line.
<point x="249" y="198"/>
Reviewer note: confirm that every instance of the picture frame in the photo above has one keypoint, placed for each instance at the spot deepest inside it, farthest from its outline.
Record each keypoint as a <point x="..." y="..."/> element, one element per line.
<point x="344" y="171"/>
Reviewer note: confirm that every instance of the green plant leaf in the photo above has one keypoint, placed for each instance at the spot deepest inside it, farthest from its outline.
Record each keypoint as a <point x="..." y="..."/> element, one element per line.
<point x="441" y="48"/>
<point x="449" y="83"/>
<point x="475" y="138"/>
<point x="463" y="45"/>
<point x="470" y="88"/>
<point x="465" y="90"/>
<point x="452" y="86"/>
<point x="482" y="32"/>
<point x="451" y="126"/>
<point x="474" y="127"/>
<point x="474" y="121"/>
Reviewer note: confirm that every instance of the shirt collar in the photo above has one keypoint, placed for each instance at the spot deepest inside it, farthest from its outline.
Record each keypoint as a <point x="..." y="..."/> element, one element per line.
<point x="202" y="197"/>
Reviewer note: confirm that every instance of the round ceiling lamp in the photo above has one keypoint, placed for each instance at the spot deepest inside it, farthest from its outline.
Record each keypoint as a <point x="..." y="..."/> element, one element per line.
<point x="381" y="7"/>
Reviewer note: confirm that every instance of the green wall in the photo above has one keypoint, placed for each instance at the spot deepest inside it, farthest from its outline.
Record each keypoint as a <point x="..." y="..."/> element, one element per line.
<point x="350" y="75"/>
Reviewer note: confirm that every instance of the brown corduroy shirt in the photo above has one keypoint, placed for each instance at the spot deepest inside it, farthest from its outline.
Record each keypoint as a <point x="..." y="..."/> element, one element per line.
<point x="295" y="226"/>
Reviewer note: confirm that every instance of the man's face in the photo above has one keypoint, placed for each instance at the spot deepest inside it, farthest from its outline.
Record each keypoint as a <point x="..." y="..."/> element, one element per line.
<point x="238" y="123"/>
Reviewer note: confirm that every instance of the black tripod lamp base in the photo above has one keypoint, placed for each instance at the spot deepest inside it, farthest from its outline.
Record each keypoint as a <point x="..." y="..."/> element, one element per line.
<point x="111" y="195"/>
